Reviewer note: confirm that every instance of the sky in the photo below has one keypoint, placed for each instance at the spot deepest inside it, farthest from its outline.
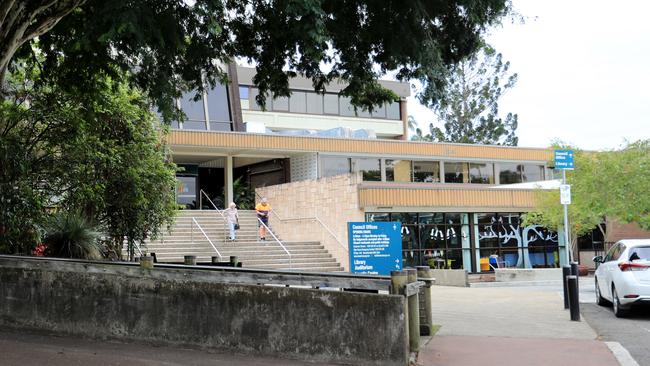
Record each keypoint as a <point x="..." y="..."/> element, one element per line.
<point x="584" y="73"/>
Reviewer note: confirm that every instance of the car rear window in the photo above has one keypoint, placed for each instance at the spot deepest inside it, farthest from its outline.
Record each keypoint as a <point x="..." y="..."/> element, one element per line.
<point x="641" y="253"/>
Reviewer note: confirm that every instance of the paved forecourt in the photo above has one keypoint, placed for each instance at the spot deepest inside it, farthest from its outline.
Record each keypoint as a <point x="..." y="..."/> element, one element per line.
<point x="509" y="326"/>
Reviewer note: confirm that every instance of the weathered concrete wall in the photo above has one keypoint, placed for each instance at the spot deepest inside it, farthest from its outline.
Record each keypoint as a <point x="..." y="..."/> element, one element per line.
<point x="450" y="277"/>
<point x="104" y="301"/>
<point x="335" y="200"/>
<point x="528" y="274"/>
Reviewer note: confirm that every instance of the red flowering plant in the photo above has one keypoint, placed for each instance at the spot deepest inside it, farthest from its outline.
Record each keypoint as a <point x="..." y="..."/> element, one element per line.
<point x="39" y="251"/>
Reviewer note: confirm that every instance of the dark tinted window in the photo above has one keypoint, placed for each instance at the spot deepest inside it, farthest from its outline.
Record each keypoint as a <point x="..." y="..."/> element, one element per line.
<point x="426" y="171"/>
<point x="510" y="173"/>
<point x="456" y="172"/>
<point x="218" y="108"/>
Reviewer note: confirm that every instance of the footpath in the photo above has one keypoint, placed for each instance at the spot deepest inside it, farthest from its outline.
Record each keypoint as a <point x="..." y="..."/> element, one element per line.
<point x="509" y="326"/>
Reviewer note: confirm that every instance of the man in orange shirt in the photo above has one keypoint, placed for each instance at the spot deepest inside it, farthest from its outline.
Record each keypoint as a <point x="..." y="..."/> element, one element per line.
<point x="263" y="210"/>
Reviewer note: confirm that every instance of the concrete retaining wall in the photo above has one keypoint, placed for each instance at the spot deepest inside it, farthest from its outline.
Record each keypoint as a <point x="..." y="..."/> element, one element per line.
<point x="108" y="301"/>
<point x="528" y="274"/>
<point x="450" y="277"/>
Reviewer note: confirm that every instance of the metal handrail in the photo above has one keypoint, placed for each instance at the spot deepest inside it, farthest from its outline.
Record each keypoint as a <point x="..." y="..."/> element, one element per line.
<point x="223" y="217"/>
<point x="204" y="234"/>
<point x="310" y="218"/>
<point x="278" y="241"/>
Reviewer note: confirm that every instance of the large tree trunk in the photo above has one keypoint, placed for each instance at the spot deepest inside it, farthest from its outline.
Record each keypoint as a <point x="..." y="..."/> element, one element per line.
<point x="23" y="20"/>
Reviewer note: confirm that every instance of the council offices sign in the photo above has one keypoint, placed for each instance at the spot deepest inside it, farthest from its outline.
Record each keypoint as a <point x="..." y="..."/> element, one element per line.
<point x="375" y="247"/>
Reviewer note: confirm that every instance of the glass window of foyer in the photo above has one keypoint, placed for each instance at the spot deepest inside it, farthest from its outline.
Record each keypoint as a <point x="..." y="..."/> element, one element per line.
<point x="369" y="168"/>
<point x="334" y="165"/>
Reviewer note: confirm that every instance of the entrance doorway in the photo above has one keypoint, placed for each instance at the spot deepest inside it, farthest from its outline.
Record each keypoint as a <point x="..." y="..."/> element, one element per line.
<point x="440" y="240"/>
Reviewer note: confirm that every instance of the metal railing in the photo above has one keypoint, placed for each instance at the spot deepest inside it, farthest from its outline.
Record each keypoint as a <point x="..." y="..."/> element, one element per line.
<point x="268" y="230"/>
<point x="314" y="218"/>
<point x="194" y="222"/>
<point x="220" y="212"/>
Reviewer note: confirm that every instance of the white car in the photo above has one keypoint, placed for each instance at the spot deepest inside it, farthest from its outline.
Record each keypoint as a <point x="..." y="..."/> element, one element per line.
<point x="623" y="275"/>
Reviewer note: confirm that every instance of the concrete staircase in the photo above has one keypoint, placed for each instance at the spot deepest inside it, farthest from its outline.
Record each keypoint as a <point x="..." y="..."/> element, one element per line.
<point x="186" y="238"/>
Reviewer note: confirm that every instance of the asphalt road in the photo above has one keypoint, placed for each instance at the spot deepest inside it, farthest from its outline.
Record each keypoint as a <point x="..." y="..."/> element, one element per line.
<point x="632" y="332"/>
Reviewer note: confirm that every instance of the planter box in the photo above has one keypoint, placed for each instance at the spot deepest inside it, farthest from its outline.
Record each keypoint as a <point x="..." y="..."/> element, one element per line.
<point x="528" y="274"/>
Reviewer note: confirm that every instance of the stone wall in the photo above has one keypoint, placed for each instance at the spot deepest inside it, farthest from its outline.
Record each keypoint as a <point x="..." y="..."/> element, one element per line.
<point x="124" y="302"/>
<point x="334" y="200"/>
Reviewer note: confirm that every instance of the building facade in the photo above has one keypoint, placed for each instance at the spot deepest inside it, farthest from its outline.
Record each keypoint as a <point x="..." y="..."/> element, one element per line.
<point x="323" y="164"/>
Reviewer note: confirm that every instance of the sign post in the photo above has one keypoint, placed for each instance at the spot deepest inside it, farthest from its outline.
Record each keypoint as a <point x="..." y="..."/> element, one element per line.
<point x="564" y="161"/>
<point x="375" y="247"/>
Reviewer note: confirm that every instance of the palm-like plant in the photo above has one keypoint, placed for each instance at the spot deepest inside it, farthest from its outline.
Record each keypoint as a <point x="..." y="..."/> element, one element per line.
<point x="70" y="235"/>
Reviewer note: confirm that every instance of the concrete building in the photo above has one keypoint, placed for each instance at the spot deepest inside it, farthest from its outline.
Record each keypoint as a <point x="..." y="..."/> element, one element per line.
<point x="321" y="164"/>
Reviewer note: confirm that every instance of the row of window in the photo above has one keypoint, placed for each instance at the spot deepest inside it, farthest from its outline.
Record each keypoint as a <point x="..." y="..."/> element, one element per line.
<point x="216" y="109"/>
<point x="314" y="103"/>
<point x="392" y="170"/>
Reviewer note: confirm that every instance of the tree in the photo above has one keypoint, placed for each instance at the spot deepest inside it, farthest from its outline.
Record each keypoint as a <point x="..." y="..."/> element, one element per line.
<point x="469" y="106"/>
<point x="171" y="45"/>
<point x="100" y="154"/>
<point x="604" y="185"/>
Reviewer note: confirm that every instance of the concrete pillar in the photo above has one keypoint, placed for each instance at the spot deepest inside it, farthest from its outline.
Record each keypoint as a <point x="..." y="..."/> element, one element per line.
<point x="426" y="323"/>
<point x="398" y="280"/>
<point x="413" y="313"/>
<point x="229" y="194"/>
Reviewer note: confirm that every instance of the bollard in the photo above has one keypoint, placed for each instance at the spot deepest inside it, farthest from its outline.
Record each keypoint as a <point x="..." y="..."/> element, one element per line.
<point x="398" y="281"/>
<point x="414" y="313"/>
<point x="190" y="260"/>
<point x="574" y="305"/>
<point x="146" y="262"/>
<point x="426" y="322"/>
<point x="233" y="260"/>
<point x="575" y="271"/>
<point x="566" y="271"/>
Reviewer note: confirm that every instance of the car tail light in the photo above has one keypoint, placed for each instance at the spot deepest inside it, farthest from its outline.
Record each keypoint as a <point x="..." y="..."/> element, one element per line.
<point x="631" y="296"/>
<point x="631" y="266"/>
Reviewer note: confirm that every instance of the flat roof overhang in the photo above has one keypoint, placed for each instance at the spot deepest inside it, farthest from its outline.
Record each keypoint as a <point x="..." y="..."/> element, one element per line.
<point x="209" y="143"/>
<point x="447" y="199"/>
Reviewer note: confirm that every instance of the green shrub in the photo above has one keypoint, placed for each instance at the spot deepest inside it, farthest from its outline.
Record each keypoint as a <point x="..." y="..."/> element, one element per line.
<point x="70" y="235"/>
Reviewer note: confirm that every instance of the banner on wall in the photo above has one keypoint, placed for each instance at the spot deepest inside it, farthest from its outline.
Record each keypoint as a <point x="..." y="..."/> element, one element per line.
<point x="375" y="247"/>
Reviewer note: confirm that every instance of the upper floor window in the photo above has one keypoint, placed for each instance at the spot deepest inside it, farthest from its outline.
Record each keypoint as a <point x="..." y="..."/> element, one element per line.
<point x="511" y="173"/>
<point x="481" y="173"/>
<point x="313" y="103"/>
<point x="334" y="165"/>
<point x="369" y="168"/>
<point x="456" y="172"/>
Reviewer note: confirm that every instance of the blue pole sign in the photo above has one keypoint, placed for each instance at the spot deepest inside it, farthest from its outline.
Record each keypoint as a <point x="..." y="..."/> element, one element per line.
<point x="375" y="247"/>
<point x="564" y="159"/>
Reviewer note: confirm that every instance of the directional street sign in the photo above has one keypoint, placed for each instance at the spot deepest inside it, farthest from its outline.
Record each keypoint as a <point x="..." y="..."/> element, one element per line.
<point x="375" y="247"/>
<point x="564" y="159"/>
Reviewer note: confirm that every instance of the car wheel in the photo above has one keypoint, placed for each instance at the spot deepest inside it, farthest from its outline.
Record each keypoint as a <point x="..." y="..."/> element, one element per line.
<point x="600" y="300"/>
<point x="618" y="311"/>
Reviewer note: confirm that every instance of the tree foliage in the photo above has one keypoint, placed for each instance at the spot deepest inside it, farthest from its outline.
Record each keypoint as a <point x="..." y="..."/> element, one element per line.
<point x="604" y="185"/>
<point x="469" y="106"/>
<point x="167" y="43"/>
<point x="98" y="153"/>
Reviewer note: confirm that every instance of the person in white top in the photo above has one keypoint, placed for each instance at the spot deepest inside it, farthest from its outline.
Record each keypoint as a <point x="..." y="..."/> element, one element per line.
<point x="233" y="219"/>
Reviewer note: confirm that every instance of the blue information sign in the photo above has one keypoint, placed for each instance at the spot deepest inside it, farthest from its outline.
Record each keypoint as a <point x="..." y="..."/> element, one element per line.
<point x="563" y="159"/>
<point x="375" y="247"/>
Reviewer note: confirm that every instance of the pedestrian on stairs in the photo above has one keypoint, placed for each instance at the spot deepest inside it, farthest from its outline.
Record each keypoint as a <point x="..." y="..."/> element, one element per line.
<point x="232" y="216"/>
<point x="263" y="210"/>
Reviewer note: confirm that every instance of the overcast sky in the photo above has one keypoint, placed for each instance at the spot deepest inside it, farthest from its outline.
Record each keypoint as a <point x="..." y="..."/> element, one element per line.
<point x="584" y="72"/>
